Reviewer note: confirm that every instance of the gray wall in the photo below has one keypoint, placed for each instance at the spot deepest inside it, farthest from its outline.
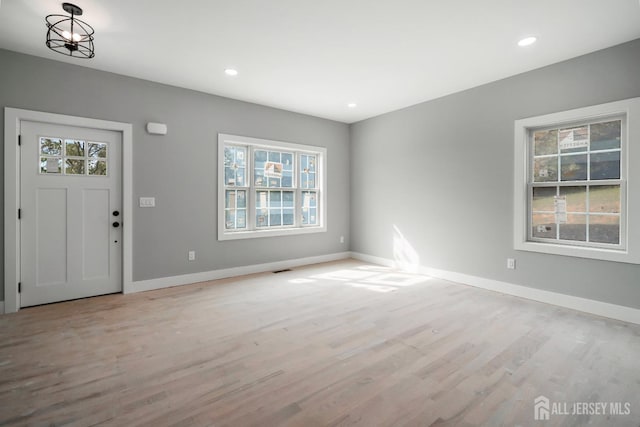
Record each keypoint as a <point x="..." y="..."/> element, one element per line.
<point x="179" y="169"/>
<point x="442" y="173"/>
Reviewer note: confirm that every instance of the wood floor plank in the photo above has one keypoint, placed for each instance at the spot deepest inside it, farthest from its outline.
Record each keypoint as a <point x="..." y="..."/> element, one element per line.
<point x="336" y="344"/>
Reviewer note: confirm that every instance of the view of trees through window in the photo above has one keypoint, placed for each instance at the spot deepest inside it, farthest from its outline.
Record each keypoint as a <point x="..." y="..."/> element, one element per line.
<point x="72" y="157"/>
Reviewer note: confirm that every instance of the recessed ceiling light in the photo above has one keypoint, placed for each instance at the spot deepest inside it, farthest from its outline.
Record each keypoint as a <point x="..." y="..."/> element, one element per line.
<point x="527" y="41"/>
<point x="231" y="72"/>
<point x="352" y="105"/>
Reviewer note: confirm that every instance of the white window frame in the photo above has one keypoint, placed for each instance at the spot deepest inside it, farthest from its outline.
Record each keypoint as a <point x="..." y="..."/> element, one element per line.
<point x="628" y="250"/>
<point x="250" y="188"/>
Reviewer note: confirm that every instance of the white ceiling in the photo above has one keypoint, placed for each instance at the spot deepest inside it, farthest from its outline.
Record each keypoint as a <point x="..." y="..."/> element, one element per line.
<point x="315" y="57"/>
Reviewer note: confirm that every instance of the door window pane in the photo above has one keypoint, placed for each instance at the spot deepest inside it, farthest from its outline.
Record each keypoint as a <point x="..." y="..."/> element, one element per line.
<point x="51" y="146"/>
<point x="97" y="167"/>
<point x="74" y="148"/>
<point x="98" y="150"/>
<point x="50" y="165"/>
<point x="74" y="167"/>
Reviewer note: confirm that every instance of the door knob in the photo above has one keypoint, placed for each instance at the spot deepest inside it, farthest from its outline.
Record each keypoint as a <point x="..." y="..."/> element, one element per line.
<point x="116" y="213"/>
<point x="116" y="224"/>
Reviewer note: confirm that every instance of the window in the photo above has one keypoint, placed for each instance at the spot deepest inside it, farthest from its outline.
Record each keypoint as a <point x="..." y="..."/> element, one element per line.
<point x="576" y="185"/>
<point x="269" y="188"/>
<point x="573" y="172"/>
<point x="61" y="156"/>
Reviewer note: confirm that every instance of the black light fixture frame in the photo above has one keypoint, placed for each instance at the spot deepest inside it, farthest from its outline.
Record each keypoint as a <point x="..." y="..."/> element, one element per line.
<point x="82" y="47"/>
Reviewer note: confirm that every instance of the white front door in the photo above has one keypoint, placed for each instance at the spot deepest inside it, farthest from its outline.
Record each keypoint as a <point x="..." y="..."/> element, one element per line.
<point x="71" y="213"/>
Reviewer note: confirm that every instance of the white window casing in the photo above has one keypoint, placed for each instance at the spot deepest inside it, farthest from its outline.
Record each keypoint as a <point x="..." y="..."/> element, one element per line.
<point x="255" y="190"/>
<point x="627" y="249"/>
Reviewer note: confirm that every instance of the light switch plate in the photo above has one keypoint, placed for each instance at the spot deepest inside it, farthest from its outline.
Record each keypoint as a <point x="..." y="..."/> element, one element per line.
<point x="147" y="202"/>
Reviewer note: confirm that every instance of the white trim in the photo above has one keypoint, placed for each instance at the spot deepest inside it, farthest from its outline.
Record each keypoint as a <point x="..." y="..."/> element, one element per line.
<point x="12" y="119"/>
<point x="187" y="279"/>
<point x="630" y="164"/>
<point x="599" y="308"/>
<point x="252" y="232"/>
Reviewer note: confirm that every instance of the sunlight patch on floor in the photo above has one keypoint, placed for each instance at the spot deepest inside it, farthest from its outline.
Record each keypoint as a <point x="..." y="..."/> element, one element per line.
<point x="374" y="278"/>
<point x="345" y="275"/>
<point x="302" y="280"/>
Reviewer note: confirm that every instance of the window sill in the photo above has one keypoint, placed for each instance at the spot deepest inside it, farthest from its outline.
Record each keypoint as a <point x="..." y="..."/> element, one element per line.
<point x="254" y="234"/>
<point x="616" y="255"/>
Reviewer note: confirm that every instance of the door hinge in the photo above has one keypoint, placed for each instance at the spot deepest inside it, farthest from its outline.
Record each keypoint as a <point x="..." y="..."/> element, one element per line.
<point x="19" y="213"/>
<point x="19" y="139"/>
<point x="19" y="287"/>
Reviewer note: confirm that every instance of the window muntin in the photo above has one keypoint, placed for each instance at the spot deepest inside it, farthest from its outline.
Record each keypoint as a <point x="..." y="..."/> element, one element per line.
<point x="275" y="208"/>
<point x="615" y="208"/>
<point x="280" y="185"/>
<point x="309" y="207"/>
<point x="235" y="209"/>
<point x="235" y="166"/>
<point x="273" y="168"/>
<point x="575" y="184"/>
<point x="62" y="156"/>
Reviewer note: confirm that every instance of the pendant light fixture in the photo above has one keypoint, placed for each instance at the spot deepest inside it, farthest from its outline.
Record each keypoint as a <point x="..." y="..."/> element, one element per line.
<point x="68" y="35"/>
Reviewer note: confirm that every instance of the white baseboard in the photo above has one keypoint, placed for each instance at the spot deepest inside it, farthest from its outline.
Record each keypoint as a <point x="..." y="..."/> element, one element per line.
<point x="599" y="308"/>
<point x="185" y="279"/>
<point x="1" y="307"/>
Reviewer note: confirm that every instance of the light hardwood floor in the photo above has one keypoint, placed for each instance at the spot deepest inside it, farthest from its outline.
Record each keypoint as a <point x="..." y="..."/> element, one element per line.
<point x="335" y="344"/>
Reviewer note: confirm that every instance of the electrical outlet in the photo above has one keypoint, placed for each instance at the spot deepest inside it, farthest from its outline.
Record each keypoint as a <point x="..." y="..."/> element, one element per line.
<point x="192" y="255"/>
<point x="341" y="239"/>
<point x="511" y="263"/>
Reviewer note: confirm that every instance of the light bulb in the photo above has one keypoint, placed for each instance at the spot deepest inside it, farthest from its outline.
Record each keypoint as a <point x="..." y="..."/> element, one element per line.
<point x="71" y="37"/>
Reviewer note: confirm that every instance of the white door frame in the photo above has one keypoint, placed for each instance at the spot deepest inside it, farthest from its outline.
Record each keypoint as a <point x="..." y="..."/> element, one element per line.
<point x="12" y="119"/>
